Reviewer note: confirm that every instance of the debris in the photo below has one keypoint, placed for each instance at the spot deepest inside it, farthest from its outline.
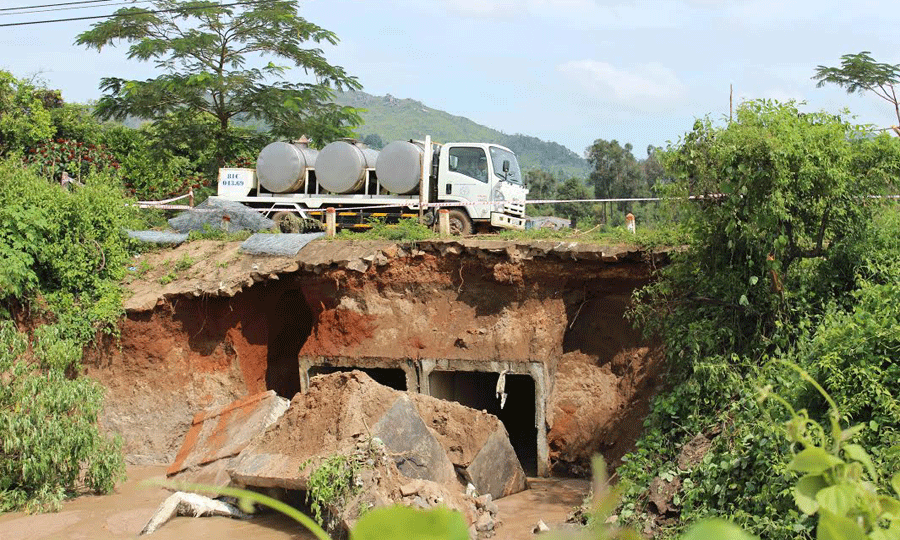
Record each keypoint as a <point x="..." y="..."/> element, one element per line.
<point x="220" y="214"/>
<point x="190" y="504"/>
<point x="158" y="237"/>
<point x="283" y="245"/>
<point x="218" y="435"/>
<point x="485" y="523"/>
<point x="540" y="527"/>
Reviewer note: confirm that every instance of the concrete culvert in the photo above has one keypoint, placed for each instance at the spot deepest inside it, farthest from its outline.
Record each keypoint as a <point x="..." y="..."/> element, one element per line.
<point x="478" y="390"/>
<point x="392" y="378"/>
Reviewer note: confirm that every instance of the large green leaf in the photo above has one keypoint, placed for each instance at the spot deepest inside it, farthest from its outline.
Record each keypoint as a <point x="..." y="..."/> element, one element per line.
<point x="837" y="499"/>
<point x="401" y="522"/>
<point x="832" y="527"/>
<point x="805" y="493"/>
<point x="716" y="529"/>
<point x="858" y="453"/>
<point x="813" y="460"/>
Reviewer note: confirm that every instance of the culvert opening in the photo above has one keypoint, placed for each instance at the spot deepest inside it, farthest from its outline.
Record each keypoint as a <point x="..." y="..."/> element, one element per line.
<point x="290" y="324"/>
<point x="478" y="390"/>
<point x="391" y="377"/>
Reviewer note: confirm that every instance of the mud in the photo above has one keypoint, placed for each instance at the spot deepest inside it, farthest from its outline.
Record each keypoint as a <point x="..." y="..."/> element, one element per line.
<point x="124" y="513"/>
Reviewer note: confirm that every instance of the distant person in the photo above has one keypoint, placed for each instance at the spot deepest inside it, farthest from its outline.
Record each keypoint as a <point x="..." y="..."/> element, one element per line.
<point x="478" y="170"/>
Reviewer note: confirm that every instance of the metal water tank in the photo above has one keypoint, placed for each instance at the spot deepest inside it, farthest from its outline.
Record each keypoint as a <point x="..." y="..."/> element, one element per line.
<point x="341" y="166"/>
<point x="399" y="167"/>
<point x="281" y="166"/>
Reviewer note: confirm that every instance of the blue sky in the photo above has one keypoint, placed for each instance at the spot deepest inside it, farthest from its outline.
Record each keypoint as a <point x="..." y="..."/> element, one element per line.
<point x="569" y="71"/>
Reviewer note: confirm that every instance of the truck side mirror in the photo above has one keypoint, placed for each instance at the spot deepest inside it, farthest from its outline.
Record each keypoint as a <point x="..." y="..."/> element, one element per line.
<point x="506" y="165"/>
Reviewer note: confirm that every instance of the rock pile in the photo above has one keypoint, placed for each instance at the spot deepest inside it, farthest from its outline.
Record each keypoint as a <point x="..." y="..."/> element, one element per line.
<point x="402" y="448"/>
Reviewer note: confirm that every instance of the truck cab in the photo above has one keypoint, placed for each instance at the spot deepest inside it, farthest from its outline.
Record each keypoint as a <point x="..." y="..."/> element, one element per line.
<point x="486" y="180"/>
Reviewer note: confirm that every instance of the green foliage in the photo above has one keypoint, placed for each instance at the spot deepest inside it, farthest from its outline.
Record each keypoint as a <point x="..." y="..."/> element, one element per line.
<point x="861" y="73"/>
<point x="49" y="439"/>
<point x="404" y="230"/>
<point x="572" y="189"/>
<point x="73" y="157"/>
<point x="62" y="254"/>
<point x="215" y="233"/>
<point x="616" y="173"/>
<point x="331" y="484"/>
<point x="184" y="263"/>
<point x="840" y="483"/>
<point x="781" y="245"/>
<point x="203" y="50"/>
<point x="25" y="122"/>
<point x="57" y="240"/>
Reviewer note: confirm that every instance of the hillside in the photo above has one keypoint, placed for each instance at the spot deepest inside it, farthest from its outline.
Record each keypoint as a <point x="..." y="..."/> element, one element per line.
<point x="391" y="119"/>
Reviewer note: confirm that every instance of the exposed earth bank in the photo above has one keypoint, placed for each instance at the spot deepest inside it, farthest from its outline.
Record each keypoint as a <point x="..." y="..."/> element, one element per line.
<point x="206" y="325"/>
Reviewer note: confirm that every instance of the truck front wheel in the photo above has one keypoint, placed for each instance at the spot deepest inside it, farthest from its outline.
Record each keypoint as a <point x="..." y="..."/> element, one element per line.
<point x="460" y="224"/>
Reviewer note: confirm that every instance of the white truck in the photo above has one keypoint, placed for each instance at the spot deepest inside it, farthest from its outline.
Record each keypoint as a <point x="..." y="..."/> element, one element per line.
<point x="479" y="184"/>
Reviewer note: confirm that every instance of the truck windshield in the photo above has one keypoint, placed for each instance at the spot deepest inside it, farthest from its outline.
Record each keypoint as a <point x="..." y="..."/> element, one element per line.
<point x="498" y="156"/>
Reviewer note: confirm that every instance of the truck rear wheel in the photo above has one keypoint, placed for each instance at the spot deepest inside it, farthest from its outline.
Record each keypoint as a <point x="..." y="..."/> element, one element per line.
<point x="287" y="222"/>
<point x="460" y="224"/>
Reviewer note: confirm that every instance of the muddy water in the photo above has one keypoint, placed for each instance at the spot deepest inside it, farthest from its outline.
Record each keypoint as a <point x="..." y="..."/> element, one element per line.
<point x="123" y="514"/>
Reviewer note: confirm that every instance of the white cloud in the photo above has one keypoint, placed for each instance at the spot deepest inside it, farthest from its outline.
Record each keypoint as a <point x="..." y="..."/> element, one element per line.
<point x="646" y="87"/>
<point x="590" y="13"/>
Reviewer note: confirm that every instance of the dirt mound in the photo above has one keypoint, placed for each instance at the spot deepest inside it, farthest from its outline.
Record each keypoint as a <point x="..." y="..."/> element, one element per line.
<point x="341" y="408"/>
<point x="597" y="407"/>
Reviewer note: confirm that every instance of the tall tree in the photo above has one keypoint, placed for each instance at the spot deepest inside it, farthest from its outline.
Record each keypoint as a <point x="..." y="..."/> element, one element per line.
<point x="541" y="184"/>
<point x="203" y="50"/>
<point x="616" y="173"/>
<point x="861" y="73"/>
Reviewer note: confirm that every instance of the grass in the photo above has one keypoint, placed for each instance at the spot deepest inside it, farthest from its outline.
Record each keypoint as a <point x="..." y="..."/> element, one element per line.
<point x="647" y="237"/>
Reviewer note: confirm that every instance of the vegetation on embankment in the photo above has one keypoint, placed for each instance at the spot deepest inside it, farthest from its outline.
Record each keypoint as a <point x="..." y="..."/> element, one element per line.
<point x="792" y="261"/>
<point x="62" y="256"/>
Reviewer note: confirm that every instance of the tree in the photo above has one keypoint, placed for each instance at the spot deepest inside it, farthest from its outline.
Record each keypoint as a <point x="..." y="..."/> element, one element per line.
<point x="616" y="173"/>
<point x="25" y="121"/>
<point x="778" y="239"/>
<point x="860" y="72"/>
<point x="541" y="184"/>
<point x="203" y="50"/>
<point x="574" y="189"/>
<point x="373" y="140"/>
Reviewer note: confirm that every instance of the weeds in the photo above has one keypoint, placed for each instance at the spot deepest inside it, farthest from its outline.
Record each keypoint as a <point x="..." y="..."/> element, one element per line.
<point x="405" y="230"/>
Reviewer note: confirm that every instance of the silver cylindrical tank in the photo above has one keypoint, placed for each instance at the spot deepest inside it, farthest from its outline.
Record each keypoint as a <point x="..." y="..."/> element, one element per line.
<point x="341" y="166"/>
<point x="281" y="167"/>
<point x="399" y="167"/>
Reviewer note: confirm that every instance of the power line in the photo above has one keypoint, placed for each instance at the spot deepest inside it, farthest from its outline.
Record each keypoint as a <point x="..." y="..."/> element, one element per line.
<point x="68" y="8"/>
<point x="131" y="14"/>
<point x="54" y="5"/>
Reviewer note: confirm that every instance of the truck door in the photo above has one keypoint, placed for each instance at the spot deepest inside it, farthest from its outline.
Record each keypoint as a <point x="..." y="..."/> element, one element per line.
<point x="467" y="179"/>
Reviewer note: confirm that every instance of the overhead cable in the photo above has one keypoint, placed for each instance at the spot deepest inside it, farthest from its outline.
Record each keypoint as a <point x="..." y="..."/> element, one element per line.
<point x="133" y="13"/>
<point x="54" y="5"/>
<point x="70" y="8"/>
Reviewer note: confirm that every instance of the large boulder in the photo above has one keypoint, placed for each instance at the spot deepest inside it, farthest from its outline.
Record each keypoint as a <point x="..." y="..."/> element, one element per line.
<point x="477" y="444"/>
<point x="219" y="435"/>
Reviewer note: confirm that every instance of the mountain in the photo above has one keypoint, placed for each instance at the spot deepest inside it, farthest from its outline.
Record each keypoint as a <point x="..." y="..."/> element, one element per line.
<point x="401" y="119"/>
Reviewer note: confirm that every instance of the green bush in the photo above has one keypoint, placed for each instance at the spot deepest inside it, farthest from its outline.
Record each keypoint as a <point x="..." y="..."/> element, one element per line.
<point x="780" y="246"/>
<point x="62" y="255"/>
<point x="49" y="439"/>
